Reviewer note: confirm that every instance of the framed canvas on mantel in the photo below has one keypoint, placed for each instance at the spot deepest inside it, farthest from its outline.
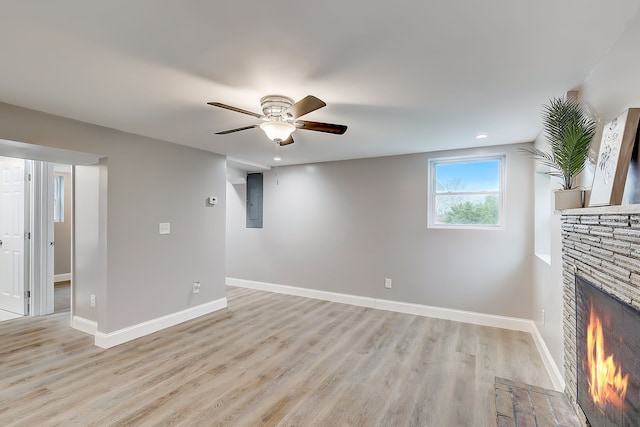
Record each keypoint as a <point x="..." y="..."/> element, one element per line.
<point x="614" y="156"/>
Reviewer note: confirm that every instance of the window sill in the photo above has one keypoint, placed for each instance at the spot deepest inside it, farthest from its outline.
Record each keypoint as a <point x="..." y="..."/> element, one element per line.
<point x="465" y="227"/>
<point x="546" y="258"/>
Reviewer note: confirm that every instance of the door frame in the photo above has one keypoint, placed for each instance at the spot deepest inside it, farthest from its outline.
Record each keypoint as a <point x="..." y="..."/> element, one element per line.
<point x="40" y="295"/>
<point x="41" y="242"/>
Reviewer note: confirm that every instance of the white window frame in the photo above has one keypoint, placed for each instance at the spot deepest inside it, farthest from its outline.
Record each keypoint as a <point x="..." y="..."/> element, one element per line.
<point x="431" y="191"/>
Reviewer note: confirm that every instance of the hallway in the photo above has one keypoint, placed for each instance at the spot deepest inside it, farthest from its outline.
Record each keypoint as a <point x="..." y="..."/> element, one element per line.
<point x="62" y="297"/>
<point x="62" y="301"/>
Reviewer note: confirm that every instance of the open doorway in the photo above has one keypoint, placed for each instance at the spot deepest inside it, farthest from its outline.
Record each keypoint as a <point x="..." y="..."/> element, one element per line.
<point x="36" y="235"/>
<point x="88" y="212"/>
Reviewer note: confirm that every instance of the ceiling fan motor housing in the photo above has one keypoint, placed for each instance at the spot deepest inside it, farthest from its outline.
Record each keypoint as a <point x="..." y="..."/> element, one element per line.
<point x="281" y="117"/>
<point x="275" y="105"/>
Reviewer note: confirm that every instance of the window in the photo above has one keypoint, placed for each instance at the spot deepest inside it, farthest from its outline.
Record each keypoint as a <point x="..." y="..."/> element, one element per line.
<point x="466" y="192"/>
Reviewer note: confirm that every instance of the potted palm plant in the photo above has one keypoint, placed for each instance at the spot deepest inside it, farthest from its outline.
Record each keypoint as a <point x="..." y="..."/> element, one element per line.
<point x="569" y="131"/>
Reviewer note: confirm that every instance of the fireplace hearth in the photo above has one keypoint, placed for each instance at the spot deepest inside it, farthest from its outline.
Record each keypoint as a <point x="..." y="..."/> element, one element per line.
<point x="608" y="357"/>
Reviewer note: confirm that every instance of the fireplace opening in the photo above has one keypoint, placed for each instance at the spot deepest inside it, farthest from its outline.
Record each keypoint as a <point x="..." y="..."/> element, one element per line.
<point x="608" y="351"/>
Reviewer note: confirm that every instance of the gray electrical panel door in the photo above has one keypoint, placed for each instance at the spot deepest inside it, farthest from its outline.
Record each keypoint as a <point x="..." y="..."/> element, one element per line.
<point x="254" y="200"/>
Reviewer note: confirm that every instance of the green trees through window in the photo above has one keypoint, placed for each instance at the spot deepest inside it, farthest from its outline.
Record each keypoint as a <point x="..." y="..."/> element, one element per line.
<point x="487" y="212"/>
<point x="466" y="192"/>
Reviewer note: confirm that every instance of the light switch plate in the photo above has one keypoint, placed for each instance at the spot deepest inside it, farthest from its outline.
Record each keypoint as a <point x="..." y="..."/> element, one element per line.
<point x="164" y="228"/>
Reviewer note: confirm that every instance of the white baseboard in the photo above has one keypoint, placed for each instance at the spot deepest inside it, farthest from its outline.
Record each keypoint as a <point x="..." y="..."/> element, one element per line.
<point x="61" y="277"/>
<point x="87" y="326"/>
<point x="482" y="319"/>
<point x="303" y="292"/>
<point x="547" y="359"/>
<point x="112" y="339"/>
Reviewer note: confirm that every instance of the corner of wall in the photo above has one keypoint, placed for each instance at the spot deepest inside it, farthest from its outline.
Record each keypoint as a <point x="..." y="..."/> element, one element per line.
<point x="121" y="336"/>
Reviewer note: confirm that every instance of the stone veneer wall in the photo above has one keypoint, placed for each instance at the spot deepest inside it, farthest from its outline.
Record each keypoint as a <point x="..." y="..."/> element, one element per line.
<point x="604" y="249"/>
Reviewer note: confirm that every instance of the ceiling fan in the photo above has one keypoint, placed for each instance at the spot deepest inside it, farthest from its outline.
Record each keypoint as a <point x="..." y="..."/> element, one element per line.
<point x="281" y="114"/>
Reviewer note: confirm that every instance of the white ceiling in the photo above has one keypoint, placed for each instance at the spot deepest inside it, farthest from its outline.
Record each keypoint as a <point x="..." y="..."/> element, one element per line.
<point x="405" y="76"/>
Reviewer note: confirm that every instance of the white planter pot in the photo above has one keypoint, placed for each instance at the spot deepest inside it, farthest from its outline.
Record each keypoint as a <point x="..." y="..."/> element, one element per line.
<point x="569" y="199"/>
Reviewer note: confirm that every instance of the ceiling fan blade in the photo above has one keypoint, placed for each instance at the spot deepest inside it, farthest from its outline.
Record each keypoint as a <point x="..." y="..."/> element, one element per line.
<point x="306" y="105"/>
<point x="286" y="141"/>
<point x="239" y="110"/>
<point x="224" y="132"/>
<point x="321" y="127"/>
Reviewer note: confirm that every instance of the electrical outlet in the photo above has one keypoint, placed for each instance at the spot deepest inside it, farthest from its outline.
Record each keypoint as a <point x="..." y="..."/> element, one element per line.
<point x="164" y="228"/>
<point x="543" y="320"/>
<point x="196" y="287"/>
<point x="387" y="283"/>
<point x="93" y="300"/>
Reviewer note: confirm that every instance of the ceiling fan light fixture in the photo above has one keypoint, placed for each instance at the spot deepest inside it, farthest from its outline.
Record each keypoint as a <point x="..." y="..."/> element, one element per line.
<point x="277" y="130"/>
<point x="282" y="117"/>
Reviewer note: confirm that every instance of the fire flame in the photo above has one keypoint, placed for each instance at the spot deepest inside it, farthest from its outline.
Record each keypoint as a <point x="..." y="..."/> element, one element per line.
<point x="606" y="383"/>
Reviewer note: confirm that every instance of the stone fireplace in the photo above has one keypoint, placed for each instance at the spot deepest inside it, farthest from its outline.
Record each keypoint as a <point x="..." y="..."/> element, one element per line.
<point x="602" y="247"/>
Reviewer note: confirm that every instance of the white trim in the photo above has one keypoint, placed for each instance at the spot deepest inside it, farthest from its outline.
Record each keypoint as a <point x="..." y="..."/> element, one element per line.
<point x="303" y="292"/>
<point x="482" y="319"/>
<point x="398" y="306"/>
<point x="87" y="326"/>
<point x="41" y="280"/>
<point x="72" y="218"/>
<point x="547" y="359"/>
<point x="474" y="318"/>
<point x="112" y="339"/>
<point x="62" y="277"/>
<point x="546" y="258"/>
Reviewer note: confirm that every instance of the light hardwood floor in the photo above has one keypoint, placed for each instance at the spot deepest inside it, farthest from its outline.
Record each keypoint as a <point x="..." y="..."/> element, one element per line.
<point x="267" y="359"/>
<point x="62" y="297"/>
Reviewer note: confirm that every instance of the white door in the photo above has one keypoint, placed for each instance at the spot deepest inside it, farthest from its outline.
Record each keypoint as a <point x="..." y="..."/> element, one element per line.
<point x="12" y="228"/>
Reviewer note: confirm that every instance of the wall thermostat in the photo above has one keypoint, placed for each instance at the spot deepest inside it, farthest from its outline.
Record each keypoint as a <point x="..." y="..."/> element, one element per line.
<point x="212" y="200"/>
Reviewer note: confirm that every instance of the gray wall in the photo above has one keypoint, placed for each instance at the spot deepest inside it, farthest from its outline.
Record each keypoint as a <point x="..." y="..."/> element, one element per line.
<point x="346" y="226"/>
<point x="142" y="182"/>
<point x="609" y="89"/>
<point x="90" y="223"/>
<point x="62" y="231"/>
<point x="547" y="266"/>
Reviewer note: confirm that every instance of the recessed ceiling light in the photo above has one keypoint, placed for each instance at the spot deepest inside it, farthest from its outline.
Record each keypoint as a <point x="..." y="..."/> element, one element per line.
<point x="482" y="136"/>
<point x="277" y="159"/>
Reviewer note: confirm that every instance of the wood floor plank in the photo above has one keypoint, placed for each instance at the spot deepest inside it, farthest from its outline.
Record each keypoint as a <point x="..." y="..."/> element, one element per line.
<point x="267" y="359"/>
